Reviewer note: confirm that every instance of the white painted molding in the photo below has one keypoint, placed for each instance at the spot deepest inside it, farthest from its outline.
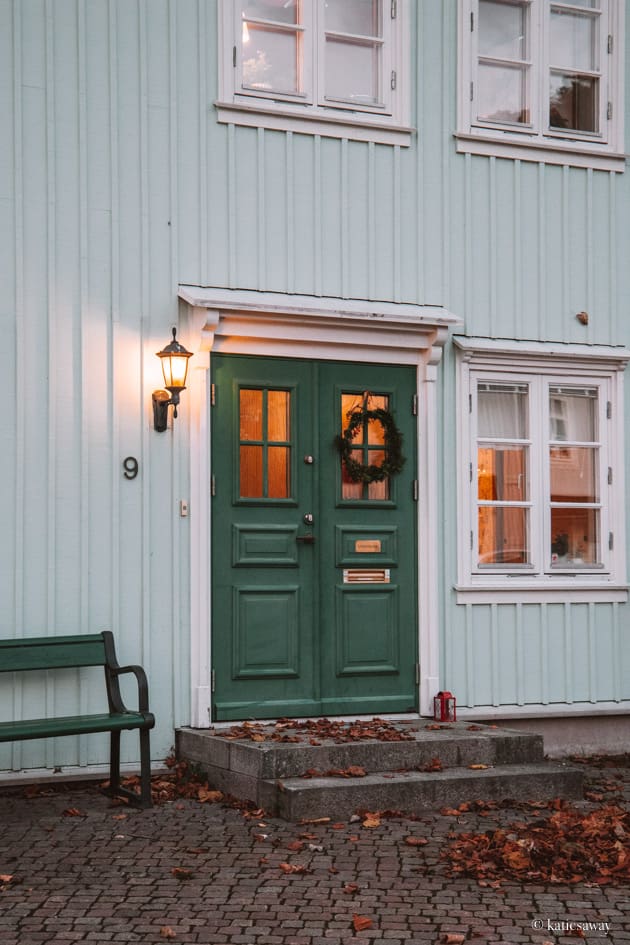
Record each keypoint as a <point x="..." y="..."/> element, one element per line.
<point x="598" y="356"/>
<point x="250" y="322"/>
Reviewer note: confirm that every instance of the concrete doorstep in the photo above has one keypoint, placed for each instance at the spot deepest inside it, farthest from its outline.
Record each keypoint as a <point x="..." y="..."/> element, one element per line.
<point x="283" y="768"/>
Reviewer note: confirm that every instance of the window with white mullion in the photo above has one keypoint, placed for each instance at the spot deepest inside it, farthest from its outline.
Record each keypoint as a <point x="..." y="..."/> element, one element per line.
<point x="355" y="55"/>
<point x="576" y="480"/>
<point x="577" y="39"/>
<point x="502" y="88"/>
<point x="275" y="50"/>
<point x="502" y="526"/>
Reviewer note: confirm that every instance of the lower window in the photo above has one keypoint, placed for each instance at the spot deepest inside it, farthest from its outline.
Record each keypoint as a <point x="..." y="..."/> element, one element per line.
<point x="542" y="471"/>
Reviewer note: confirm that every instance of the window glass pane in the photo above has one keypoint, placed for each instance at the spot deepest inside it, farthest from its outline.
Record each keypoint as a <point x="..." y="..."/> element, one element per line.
<point x="278" y="472"/>
<point x="574" y="102"/>
<point x="366" y="438"/>
<point x="270" y="59"/>
<point x="573" y="474"/>
<point x="251" y="408"/>
<point x="278" y="415"/>
<point x="502" y="410"/>
<point x="502" y="29"/>
<point x="282" y="11"/>
<point x="352" y="72"/>
<point x="573" y="414"/>
<point x="502" y="473"/>
<point x="251" y="472"/>
<point x="502" y="94"/>
<point x="574" y="538"/>
<point x="573" y="41"/>
<point x="503" y="536"/>
<point x="361" y="17"/>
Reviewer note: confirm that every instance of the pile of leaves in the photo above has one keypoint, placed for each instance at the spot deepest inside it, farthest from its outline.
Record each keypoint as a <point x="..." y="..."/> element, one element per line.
<point x="315" y="731"/>
<point x="569" y="846"/>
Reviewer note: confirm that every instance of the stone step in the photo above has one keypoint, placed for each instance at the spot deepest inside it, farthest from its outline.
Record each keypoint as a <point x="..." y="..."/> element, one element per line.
<point x="458" y="744"/>
<point x="297" y="799"/>
<point x="289" y="772"/>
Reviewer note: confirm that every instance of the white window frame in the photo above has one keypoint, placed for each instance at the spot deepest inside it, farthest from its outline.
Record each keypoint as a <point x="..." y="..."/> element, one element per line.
<point x="310" y="111"/>
<point x="541" y="366"/>
<point x="537" y="141"/>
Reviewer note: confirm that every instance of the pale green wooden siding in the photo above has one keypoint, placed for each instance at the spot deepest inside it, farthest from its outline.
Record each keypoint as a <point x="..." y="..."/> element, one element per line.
<point x="117" y="184"/>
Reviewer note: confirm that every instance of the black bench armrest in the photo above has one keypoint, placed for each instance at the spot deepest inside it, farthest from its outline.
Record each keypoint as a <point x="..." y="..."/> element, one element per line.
<point x="143" y="687"/>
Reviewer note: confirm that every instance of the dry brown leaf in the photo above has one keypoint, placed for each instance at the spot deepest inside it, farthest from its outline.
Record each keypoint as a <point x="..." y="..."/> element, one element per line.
<point x="293" y="868"/>
<point x="6" y="877"/>
<point x="478" y="767"/>
<point x="416" y="841"/>
<point x="350" y="888"/>
<point x="316" y="820"/>
<point x="167" y="932"/>
<point x="371" y="821"/>
<point x="180" y="872"/>
<point x="73" y="812"/>
<point x="361" y="922"/>
<point x="453" y="938"/>
<point x="209" y="797"/>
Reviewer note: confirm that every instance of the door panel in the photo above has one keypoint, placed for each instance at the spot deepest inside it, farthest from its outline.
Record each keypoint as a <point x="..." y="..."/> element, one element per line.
<point x="313" y="576"/>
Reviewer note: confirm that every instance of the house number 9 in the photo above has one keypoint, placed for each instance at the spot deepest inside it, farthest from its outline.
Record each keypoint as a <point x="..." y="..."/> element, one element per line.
<point x="130" y="465"/>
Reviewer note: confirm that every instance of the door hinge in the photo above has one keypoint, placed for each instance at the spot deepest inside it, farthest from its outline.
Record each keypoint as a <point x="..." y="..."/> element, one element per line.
<point x="471" y="541"/>
<point x="394" y="9"/>
<point x="213" y="395"/>
<point x="234" y="56"/>
<point x="611" y="541"/>
<point x="470" y="472"/>
<point x="609" y="111"/>
<point x="608" y="410"/>
<point x="414" y="405"/>
<point x="610" y="44"/>
<point x="472" y="91"/>
<point x="415" y="490"/>
<point x="417" y="674"/>
<point x="610" y="475"/>
<point x="472" y="22"/>
<point x="470" y="403"/>
<point x="213" y="485"/>
<point x="392" y="81"/>
<point x="213" y="681"/>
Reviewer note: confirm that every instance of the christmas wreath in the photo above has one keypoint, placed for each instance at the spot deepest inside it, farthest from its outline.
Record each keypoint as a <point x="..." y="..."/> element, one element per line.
<point x="394" y="460"/>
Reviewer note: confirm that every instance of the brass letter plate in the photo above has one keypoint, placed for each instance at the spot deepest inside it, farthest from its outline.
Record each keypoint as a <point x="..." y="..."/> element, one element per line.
<point x="365" y="576"/>
<point x="368" y="546"/>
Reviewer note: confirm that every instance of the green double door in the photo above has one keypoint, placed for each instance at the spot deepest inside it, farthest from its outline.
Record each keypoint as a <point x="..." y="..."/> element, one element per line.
<point x="314" y="576"/>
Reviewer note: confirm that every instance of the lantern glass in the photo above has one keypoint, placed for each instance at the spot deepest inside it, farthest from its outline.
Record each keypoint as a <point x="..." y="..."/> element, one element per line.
<point x="175" y="369"/>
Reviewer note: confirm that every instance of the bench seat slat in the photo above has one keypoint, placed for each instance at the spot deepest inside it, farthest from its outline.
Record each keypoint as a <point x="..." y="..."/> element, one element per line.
<point x="74" y="725"/>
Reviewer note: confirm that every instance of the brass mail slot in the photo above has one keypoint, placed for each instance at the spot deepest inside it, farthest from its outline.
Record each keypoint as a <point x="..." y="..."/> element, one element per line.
<point x="368" y="546"/>
<point x="366" y="576"/>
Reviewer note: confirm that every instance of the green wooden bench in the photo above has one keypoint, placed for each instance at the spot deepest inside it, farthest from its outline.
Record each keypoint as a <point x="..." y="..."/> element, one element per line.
<point x="53" y="653"/>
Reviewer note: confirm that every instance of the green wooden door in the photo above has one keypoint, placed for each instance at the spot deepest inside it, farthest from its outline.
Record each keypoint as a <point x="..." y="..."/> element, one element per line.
<point x="314" y="577"/>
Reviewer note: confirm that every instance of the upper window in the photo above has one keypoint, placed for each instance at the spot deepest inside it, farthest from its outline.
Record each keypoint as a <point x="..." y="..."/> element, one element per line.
<point x="543" y="473"/>
<point x="340" y="63"/>
<point x="543" y="74"/>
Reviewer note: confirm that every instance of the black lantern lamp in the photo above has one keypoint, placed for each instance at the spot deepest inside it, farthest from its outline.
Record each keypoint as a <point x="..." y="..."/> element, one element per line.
<point x="174" y="358"/>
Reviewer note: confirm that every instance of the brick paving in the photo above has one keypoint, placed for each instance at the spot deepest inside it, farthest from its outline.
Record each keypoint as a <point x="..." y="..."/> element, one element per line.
<point x="85" y="870"/>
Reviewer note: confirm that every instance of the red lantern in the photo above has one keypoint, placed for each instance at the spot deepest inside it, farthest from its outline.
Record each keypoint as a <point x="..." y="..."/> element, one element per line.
<point x="444" y="707"/>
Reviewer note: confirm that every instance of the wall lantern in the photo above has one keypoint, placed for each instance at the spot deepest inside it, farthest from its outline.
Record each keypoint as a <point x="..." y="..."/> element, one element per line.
<point x="174" y="358"/>
<point x="445" y="707"/>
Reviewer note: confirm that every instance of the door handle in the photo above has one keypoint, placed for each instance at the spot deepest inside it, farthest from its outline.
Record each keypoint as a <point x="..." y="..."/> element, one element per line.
<point x="307" y="539"/>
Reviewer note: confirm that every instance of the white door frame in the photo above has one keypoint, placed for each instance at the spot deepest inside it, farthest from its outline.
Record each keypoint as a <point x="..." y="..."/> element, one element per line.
<point x="234" y="321"/>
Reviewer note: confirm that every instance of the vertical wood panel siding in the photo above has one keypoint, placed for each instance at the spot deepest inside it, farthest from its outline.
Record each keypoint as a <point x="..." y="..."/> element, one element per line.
<point x="116" y="184"/>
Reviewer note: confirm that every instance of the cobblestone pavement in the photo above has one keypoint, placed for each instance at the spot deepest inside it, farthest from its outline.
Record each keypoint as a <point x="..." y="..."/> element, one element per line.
<point x="84" y="870"/>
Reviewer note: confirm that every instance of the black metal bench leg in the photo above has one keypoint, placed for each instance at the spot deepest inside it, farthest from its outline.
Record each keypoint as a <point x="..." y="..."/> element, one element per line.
<point x="114" y="763"/>
<point x="145" y="769"/>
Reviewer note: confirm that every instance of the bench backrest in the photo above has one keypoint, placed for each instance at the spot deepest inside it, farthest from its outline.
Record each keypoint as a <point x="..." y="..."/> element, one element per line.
<point x="52" y="652"/>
